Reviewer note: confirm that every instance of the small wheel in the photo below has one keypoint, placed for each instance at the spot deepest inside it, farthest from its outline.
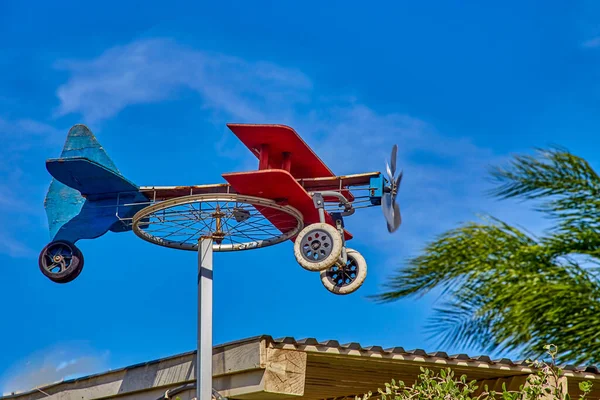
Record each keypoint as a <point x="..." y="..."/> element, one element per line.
<point x="348" y="278"/>
<point x="318" y="247"/>
<point x="61" y="261"/>
<point x="71" y="277"/>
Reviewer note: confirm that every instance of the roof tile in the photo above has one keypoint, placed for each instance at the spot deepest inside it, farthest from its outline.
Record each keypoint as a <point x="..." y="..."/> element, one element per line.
<point x="417" y="352"/>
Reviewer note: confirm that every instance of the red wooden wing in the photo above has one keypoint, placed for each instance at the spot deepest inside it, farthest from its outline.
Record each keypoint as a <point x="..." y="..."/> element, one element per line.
<point x="280" y="186"/>
<point x="283" y="145"/>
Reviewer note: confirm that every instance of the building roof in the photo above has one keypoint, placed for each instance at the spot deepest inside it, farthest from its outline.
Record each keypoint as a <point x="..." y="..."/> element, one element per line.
<point x="263" y="367"/>
<point x="374" y="351"/>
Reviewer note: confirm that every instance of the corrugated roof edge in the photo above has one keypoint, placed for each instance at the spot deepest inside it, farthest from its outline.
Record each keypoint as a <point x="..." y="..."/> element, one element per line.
<point x="419" y="352"/>
<point x="288" y="340"/>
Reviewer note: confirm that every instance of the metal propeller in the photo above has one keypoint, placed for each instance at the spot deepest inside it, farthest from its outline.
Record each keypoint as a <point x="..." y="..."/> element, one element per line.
<point x="391" y="210"/>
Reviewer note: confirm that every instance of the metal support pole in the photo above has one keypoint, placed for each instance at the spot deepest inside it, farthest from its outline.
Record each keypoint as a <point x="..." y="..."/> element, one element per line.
<point x="205" y="309"/>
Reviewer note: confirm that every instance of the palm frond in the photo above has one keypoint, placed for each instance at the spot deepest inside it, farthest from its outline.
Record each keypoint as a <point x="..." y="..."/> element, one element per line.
<point x="554" y="172"/>
<point x="507" y="290"/>
<point x="449" y="258"/>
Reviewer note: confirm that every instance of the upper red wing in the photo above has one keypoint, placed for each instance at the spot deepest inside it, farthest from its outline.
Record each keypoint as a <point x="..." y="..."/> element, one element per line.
<point x="282" y="139"/>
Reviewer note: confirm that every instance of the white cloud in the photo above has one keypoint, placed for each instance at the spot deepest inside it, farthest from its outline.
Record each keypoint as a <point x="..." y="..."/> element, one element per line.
<point x="65" y="364"/>
<point x="54" y="364"/>
<point x="150" y="71"/>
<point x="18" y="133"/>
<point x="592" y="43"/>
<point x="13" y="247"/>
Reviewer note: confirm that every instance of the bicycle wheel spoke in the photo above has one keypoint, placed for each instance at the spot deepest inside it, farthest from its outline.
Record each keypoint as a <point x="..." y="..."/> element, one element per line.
<point x="235" y="222"/>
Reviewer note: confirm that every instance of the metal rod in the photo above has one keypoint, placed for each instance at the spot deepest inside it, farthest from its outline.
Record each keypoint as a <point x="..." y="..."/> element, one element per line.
<point x="118" y="201"/>
<point x="348" y="210"/>
<point x="205" y="309"/>
<point x="321" y="215"/>
<point x="339" y="196"/>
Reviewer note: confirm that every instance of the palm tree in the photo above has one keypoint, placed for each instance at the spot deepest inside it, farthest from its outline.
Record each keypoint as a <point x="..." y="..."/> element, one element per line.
<point x="504" y="289"/>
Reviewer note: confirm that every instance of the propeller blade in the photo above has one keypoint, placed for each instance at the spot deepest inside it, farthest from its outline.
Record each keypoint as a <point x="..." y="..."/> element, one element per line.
<point x="387" y="208"/>
<point x="397" y="219"/>
<point x="391" y="212"/>
<point x="393" y="160"/>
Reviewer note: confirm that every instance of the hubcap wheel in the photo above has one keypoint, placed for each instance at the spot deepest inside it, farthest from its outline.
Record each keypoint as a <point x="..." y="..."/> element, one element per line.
<point x="316" y="245"/>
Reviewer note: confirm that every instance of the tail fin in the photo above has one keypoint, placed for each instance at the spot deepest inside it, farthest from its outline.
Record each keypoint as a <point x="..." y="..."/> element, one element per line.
<point x="81" y="142"/>
<point x="63" y="203"/>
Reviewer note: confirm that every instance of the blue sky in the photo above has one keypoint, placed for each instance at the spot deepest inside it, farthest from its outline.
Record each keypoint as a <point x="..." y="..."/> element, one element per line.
<point x="457" y="85"/>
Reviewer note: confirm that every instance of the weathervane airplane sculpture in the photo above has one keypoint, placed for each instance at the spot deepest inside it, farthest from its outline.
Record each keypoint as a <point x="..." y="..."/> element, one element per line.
<point x="292" y="196"/>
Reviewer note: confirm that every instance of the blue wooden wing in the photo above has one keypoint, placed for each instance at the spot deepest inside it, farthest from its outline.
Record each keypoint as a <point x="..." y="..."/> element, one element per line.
<point x="88" y="177"/>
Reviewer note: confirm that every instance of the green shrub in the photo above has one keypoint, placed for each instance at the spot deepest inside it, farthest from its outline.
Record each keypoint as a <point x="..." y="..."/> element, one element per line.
<point x="544" y="384"/>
